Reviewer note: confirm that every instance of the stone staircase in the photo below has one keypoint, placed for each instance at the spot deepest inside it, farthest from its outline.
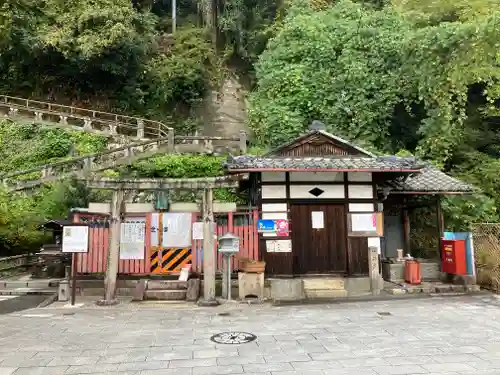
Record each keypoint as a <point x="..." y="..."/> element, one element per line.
<point x="166" y="290"/>
<point x="141" y="138"/>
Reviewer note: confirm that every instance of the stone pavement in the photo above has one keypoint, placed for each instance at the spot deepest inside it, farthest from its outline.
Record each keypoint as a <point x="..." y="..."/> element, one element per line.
<point x="441" y="335"/>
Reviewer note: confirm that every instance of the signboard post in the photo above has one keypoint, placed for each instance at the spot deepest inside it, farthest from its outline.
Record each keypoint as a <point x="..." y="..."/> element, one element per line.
<point x="75" y="240"/>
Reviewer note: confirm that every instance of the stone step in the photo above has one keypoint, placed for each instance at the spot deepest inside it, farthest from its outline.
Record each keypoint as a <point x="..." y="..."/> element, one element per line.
<point x="166" y="284"/>
<point x="166" y="295"/>
<point x="325" y="293"/>
<point x="324" y="284"/>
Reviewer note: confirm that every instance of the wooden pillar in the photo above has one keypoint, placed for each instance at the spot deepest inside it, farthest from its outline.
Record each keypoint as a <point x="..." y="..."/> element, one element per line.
<point x="208" y="250"/>
<point x="439" y="223"/>
<point x="113" y="248"/>
<point x="406" y="232"/>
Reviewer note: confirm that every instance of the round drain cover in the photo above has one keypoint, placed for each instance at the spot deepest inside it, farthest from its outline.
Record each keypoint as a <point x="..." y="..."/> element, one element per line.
<point x="233" y="338"/>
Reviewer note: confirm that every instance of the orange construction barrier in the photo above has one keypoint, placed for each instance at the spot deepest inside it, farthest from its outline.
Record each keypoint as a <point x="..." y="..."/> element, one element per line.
<point x="412" y="272"/>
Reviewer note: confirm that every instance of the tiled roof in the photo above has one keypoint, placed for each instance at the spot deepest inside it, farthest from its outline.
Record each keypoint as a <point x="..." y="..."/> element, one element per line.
<point x="431" y="179"/>
<point x="422" y="178"/>
<point x="345" y="163"/>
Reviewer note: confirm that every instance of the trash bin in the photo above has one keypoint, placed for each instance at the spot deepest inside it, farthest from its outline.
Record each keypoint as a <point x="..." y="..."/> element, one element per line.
<point x="412" y="272"/>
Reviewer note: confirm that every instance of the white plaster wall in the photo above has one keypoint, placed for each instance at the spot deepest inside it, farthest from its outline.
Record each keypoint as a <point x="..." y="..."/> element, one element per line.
<point x="360" y="191"/>
<point x="274" y="207"/>
<point x="273" y="191"/>
<point x="316" y="176"/>
<point x="330" y="191"/>
<point x="273" y="176"/>
<point x="274" y="215"/>
<point x="359" y="176"/>
<point x="361" y="207"/>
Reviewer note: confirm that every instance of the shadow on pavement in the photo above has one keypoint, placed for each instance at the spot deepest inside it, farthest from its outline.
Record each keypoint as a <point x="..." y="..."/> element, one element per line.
<point x="10" y="304"/>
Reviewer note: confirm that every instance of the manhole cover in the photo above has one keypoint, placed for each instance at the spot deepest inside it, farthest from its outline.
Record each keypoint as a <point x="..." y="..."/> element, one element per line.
<point x="384" y="313"/>
<point x="233" y="338"/>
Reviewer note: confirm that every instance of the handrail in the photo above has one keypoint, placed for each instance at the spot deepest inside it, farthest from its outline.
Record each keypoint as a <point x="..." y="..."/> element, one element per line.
<point x="159" y="138"/>
<point x="87" y="119"/>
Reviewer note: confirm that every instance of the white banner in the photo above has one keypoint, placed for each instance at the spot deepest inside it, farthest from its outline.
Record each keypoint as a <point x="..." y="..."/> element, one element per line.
<point x="198" y="231"/>
<point x="155" y="230"/>
<point x="132" y="239"/>
<point x="177" y="230"/>
<point x="75" y="239"/>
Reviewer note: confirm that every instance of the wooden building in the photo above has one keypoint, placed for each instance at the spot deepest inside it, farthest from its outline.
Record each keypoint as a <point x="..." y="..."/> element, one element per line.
<point x="316" y="183"/>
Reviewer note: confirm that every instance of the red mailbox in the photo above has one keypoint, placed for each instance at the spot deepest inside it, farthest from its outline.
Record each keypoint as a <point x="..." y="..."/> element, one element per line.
<point x="453" y="259"/>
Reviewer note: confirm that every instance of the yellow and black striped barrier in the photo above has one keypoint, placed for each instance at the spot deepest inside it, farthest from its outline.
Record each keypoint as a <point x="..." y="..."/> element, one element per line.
<point x="155" y="264"/>
<point x="174" y="259"/>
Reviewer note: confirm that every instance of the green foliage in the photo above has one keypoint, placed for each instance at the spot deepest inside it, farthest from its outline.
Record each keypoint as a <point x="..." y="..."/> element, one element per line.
<point x="23" y="146"/>
<point x="407" y="76"/>
<point x="20" y="214"/>
<point x="111" y="57"/>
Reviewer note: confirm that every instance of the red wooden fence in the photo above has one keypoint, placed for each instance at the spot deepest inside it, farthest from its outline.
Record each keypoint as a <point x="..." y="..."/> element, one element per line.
<point x="242" y="224"/>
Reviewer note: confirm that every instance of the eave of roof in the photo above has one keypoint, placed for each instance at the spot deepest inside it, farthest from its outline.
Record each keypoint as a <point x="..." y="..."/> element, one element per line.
<point x="431" y="180"/>
<point x="240" y="164"/>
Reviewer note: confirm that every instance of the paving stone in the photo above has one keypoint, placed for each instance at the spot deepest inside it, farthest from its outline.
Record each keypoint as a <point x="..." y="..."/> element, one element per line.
<point x="276" y="358"/>
<point x="7" y="370"/>
<point x="149" y="365"/>
<point x="184" y="371"/>
<point x="193" y="363"/>
<point x="240" y="360"/>
<point x="90" y="369"/>
<point x="400" y="370"/>
<point x="218" y="370"/>
<point x="158" y="356"/>
<point x="316" y="365"/>
<point x="122" y="358"/>
<point x="267" y="367"/>
<point x="214" y="353"/>
<point x="40" y="370"/>
<point x="457" y="367"/>
<point x="20" y="362"/>
<point x="72" y="361"/>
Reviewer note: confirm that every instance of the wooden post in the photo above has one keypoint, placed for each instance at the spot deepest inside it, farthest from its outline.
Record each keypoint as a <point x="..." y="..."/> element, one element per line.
<point x="208" y="250"/>
<point x="439" y="224"/>
<point x="113" y="248"/>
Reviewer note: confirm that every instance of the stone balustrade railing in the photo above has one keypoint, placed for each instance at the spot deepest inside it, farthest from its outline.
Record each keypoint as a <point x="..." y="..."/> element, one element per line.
<point x="88" y="120"/>
<point x="85" y="165"/>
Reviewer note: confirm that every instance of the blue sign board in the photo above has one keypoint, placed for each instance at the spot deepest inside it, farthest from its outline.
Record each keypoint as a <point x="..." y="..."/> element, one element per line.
<point x="266" y="226"/>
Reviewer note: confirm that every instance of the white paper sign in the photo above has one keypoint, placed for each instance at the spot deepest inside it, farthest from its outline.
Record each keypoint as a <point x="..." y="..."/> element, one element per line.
<point x="132" y="240"/>
<point x="317" y="219"/>
<point x="155" y="224"/>
<point x="363" y="223"/>
<point x="177" y="230"/>
<point x="279" y="246"/>
<point x="198" y="231"/>
<point x="75" y="239"/>
<point x="374" y="242"/>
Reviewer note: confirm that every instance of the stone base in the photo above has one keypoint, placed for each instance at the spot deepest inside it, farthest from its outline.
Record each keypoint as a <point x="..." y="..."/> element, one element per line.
<point x="395" y="272"/>
<point x="251" y="284"/>
<point x="193" y="290"/>
<point x="325" y="293"/>
<point x="140" y="291"/>
<point x="166" y="295"/>
<point x="104" y="302"/>
<point x="287" y="289"/>
<point x="208" y="303"/>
